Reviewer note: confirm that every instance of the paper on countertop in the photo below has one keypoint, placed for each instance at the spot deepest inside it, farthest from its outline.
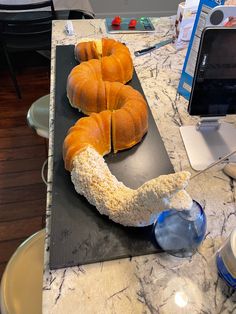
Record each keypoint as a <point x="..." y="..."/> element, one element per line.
<point x="190" y="3"/>
<point x="184" y="22"/>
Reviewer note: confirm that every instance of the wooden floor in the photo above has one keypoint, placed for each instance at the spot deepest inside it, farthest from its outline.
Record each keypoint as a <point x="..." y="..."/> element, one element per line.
<point x="22" y="153"/>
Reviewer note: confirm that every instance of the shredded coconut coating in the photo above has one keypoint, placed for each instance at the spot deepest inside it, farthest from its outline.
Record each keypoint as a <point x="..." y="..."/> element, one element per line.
<point x="93" y="179"/>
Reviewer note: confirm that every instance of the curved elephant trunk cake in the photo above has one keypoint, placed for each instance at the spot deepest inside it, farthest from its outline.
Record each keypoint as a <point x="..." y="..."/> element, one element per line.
<point x="118" y="119"/>
<point x="93" y="179"/>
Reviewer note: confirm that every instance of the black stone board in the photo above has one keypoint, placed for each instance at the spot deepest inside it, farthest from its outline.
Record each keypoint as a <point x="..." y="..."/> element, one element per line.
<point x="79" y="234"/>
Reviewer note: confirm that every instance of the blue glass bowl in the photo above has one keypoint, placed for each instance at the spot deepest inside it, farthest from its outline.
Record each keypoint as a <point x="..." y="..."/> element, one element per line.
<point x="224" y="272"/>
<point x="179" y="233"/>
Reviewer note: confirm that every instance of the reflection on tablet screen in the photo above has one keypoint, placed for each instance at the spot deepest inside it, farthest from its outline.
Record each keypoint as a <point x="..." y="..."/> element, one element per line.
<point x="214" y="86"/>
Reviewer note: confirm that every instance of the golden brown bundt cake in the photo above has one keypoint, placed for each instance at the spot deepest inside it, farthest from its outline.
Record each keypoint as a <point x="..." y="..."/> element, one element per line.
<point x="85" y="88"/>
<point x="116" y="61"/>
<point x="129" y="117"/>
<point x="90" y="93"/>
<point x="87" y="50"/>
<point x="93" y="131"/>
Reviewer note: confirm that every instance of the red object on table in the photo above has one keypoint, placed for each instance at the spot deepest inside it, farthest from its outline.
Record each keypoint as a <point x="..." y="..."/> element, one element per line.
<point x="116" y="21"/>
<point x="132" y="23"/>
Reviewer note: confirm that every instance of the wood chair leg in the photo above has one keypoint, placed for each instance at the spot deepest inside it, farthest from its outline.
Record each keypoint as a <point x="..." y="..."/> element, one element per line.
<point x="12" y="73"/>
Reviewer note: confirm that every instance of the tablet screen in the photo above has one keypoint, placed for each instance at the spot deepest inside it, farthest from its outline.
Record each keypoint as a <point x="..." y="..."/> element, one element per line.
<point x="214" y="85"/>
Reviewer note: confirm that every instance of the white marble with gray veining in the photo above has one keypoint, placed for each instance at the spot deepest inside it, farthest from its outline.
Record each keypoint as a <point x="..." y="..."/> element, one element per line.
<point x="156" y="283"/>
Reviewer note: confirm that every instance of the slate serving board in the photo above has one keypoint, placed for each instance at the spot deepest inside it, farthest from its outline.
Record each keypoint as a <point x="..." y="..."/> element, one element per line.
<point x="79" y="234"/>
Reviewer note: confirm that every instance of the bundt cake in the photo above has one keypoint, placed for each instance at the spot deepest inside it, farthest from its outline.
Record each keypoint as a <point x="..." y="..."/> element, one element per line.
<point x="115" y="58"/>
<point x="124" y="123"/>
<point x="85" y="87"/>
<point x="89" y="93"/>
<point x="93" y="131"/>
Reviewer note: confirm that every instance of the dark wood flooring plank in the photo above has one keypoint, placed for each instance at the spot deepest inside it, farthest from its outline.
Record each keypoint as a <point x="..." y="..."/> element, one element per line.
<point x="22" y="153"/>
<point x="17" y="107"/>
<point x="15" y="131"/>
<point x="12" y="166"/>
<point x="21" y="141"/>
<point x="29" y="77"/>
<point x="20" y="228"/>
<point x="2" y="268"/>
<point x="22" y="210"/>
<point x="22" y="194"/>
<point x="24" y="178"/>
<point x="7" y="248"/>
<point x="11" y="122"/>
<point x="13" y="112"/>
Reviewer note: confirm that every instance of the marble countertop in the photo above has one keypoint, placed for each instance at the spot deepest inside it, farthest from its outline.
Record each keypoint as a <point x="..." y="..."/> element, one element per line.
<point x="157" y="283"/>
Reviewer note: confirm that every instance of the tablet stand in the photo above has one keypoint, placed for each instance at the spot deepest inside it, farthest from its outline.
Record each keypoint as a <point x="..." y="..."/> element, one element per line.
<point x="208" y="141"/>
